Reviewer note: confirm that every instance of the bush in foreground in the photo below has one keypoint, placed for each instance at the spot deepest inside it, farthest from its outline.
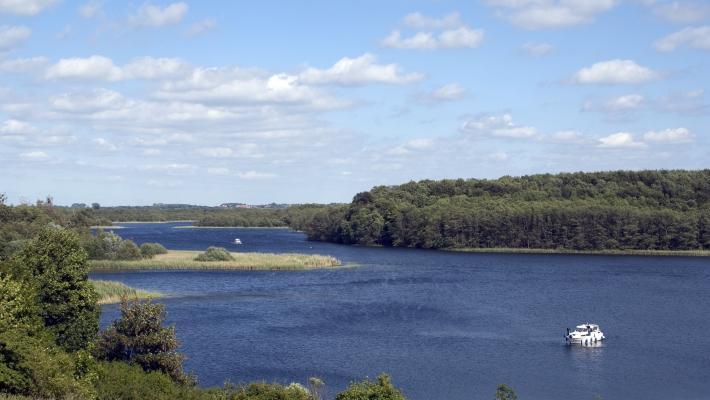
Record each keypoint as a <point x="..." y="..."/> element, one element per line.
<point x="383" y="389"/>
<point x="215" y="254"/>
<point x="139" y="337"/>
<point x="150" y="250"/>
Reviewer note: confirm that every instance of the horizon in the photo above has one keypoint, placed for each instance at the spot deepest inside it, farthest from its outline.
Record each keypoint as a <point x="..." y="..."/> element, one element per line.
<point x="207" y="103"/>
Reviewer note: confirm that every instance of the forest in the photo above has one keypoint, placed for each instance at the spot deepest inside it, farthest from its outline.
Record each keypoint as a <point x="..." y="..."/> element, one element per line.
<point x="617" y="210"/>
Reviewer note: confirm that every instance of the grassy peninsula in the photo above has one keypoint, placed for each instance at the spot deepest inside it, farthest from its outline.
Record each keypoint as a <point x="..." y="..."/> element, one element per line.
<point x="184" y="259"/>
<point x="111" y="292"/>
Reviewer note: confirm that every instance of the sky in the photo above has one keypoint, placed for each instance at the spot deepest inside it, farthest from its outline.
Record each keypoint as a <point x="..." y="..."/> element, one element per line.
<point x="133" y="103"/>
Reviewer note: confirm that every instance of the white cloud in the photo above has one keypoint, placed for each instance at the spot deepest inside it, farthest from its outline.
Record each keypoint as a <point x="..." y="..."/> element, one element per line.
<point x="536" y="14"/>
<point x="695" y="37"/>
<point x="499" y="126"/>
<point x="681" y="11"/>
<point x="171" y="168"/>
<point x="91" y="68"/>
<point x="100" y="68"/>
<point x="462" y="37"/>
<point x="537" y="49"/>
<point x="14" y="127"/>
<point x="91" y="9"/>
<point x="448" y="92"/>
<point x="34" y="156"/>
<point x="11" y="36"/>
<point x="256" y="175"/>
<point x="417" y="20"/>
<point x="620" y="140"/>
<point x="673" y="135"/>
<point x="24" y="7"/>
<point x="155" y="68"/>
<point x="88" y="101"/>
<point x="23" y="65"/>
<point x="420" y="143"/>
<point x="104" y="144"/>
<point x="566" y="136"/>
<point x="358" y="71"/>
<point x="154" y="16"/>
<point x="200" y="27"/>
<point x="216" y="152"/>
<point x="625" y="103"/>
<point x="615" y="72"/>
<point x="218" y="171"/>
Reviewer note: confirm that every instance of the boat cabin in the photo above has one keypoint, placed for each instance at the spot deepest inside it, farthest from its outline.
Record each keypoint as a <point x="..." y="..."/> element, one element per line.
<point x="587" y="328"/>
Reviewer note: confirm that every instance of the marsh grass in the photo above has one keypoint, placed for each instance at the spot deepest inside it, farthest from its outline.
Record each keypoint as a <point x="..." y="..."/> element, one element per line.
<point x="112" y="292"/>
<point x="183" y="259"/>
<point x="687" y="253"/>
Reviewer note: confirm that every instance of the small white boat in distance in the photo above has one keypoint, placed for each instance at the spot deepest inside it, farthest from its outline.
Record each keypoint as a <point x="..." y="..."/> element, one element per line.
<point x="237" y="241"/>
<point x="585" y="335"/>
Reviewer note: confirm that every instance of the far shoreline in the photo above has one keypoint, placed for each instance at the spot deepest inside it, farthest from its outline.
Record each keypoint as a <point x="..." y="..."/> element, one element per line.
<point x="627" y="252"/>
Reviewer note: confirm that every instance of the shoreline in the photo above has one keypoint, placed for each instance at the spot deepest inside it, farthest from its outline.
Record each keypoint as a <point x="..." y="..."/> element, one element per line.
<point x="628" y="252"/>
<point x="185" y="260"/>
<point x="229" y="227"/>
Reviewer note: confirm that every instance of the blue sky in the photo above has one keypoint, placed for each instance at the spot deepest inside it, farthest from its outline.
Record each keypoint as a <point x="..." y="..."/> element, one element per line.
<point x="209" y="102"/>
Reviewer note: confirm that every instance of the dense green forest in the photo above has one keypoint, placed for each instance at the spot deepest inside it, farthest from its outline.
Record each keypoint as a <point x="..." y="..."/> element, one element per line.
<point x="649" y="210"/>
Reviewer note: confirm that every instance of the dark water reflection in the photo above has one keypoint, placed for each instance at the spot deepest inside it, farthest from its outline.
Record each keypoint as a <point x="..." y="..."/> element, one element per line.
<point x="445" y="325"/>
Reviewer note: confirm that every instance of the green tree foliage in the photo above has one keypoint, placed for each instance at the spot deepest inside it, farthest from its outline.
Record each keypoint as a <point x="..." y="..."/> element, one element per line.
<point x="215" y="254"/>
<point x="150" y="250"/>
<point x="369" y="390"/>
<point x="109" y="246"/>
<point x="33" y="365"/>
<point x="140" y="338"/>
<point x="119" y="380"/>
<point x="18" y="309"/>
<point x="649" y="210"/>
<point x="505" y="392"/>
<point x="55" y="266"/>
<point x="266" y="391"/>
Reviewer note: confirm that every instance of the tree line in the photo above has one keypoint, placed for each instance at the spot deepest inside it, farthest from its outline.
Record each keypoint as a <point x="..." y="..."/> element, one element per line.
<point x="618" y="210"/>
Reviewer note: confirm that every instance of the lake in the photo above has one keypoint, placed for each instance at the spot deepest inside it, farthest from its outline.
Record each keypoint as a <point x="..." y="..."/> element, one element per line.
<point x="445" y="325"/>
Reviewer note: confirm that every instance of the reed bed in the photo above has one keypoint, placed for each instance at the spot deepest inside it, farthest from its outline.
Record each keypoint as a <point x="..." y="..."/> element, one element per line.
<point x="183" y="259"/>
<point x="112" y="292"/>
<point x="629" y="252"/>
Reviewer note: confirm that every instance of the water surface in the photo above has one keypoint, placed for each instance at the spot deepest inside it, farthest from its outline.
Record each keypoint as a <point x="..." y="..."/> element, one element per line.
<point x="444" y="325"/>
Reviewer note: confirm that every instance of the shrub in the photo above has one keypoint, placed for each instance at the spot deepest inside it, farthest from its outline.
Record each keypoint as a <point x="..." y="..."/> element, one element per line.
<point x="117" y="380"/>
<point x="109" y="246"/>
<point x="55" y="266"/>
<point x="128" y="250"/>
<point x="138" y="337"/>
<point x="35" y="366"/>
<point x="266" y="391"/>
<point x="17" y="307"/>
<point x="150" y="250"/>
<point x="366" y="390"/>
<point x="505" y="392"/>
<point x="215" y="254"/>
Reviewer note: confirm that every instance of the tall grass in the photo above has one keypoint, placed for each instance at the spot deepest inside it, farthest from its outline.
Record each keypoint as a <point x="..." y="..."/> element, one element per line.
<point x="182" y="259"/>
<point x="112" y="292"/>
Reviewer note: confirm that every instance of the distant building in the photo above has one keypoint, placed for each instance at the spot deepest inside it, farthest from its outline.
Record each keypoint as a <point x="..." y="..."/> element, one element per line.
<point x="235" y="205"/>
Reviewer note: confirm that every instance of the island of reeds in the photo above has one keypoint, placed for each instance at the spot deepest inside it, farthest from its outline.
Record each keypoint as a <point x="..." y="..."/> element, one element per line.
<point x="183" y="259"/>
<point x="111" y="292"/>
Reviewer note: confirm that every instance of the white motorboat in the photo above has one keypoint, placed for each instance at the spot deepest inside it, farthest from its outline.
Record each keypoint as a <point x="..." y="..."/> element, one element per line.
<point x="237" y="241"/>
<point x="585" y="335"/>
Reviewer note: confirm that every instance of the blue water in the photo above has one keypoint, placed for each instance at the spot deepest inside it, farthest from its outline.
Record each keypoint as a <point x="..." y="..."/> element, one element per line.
<point x="445" y="325"/>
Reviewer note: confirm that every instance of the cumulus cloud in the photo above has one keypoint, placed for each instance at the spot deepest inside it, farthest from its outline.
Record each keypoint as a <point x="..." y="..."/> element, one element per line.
<point x="14" y="127"/>
<point x="462" y="37"/>
<point x="681" y="11"/>
<point x="34" y="156"/>
<point x="695" y="37"/>
<point x="536" y="49"/>
<point x="153" y="16"/>
<point x="620" y="140"/>
<point x="252" y="175"/>
<point x="358" y="71"/>
<point x="418" y="20"/>
<point x="90" y="68"/>
<point x="23" y="65"/>
<point x="501" y="126"/>
<point x="90" y="9"/>
<point x="672" y="135"/>
<point x="615" y="72"/>
<point x="617" y="107"/>
<point x="200" y="27"/>
<point x="448" y="92"/>
<point x="12" y="36"/>
<point x="24" y="7"/>
<point x="537" y="14"/>
<point x="105" y="144"/>
<point x="100" y="68"/>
